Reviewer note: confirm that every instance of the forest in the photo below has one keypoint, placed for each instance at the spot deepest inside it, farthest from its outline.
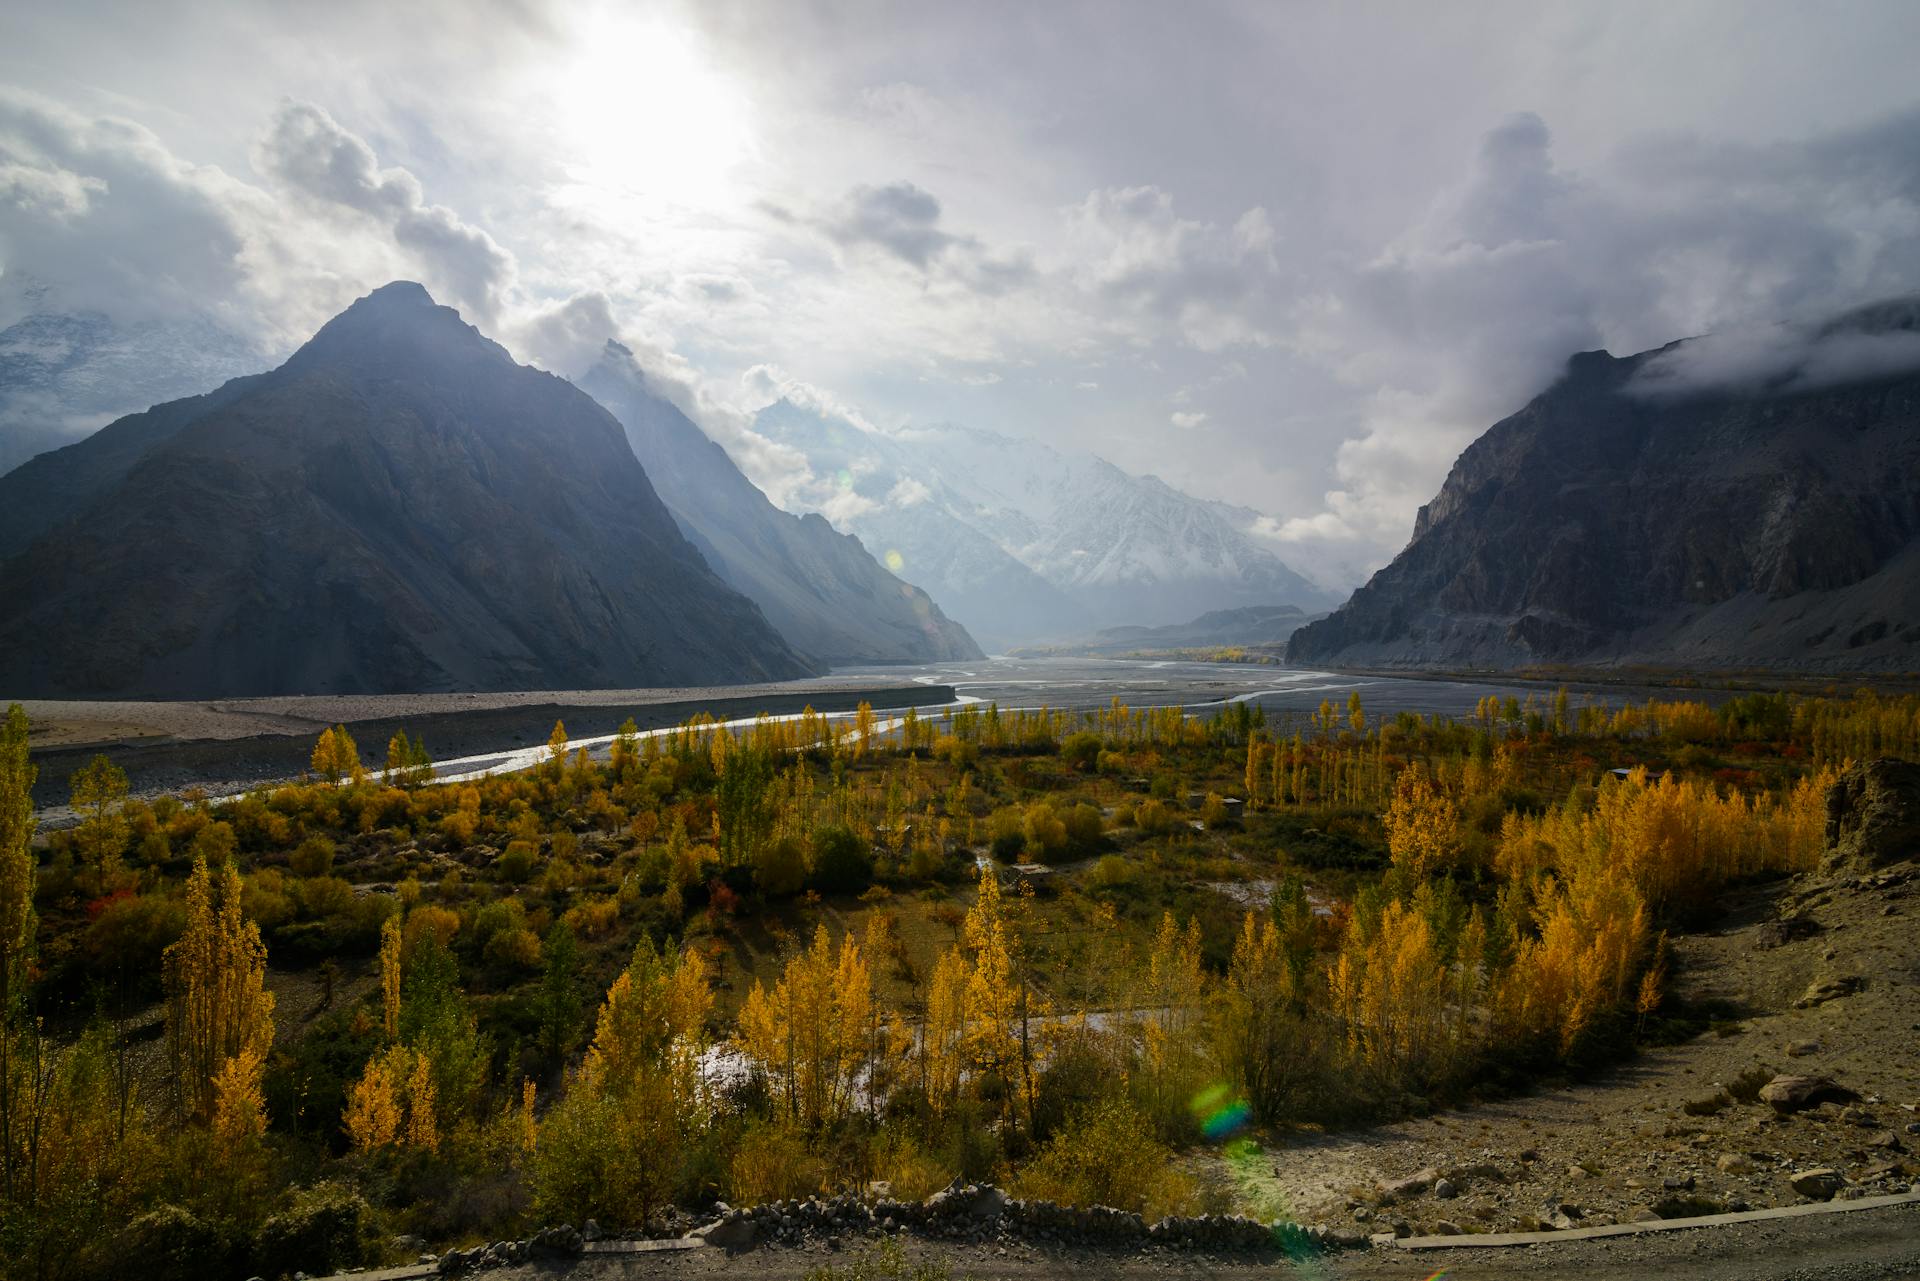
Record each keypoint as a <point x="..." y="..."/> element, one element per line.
<point x="1089" y="956"/>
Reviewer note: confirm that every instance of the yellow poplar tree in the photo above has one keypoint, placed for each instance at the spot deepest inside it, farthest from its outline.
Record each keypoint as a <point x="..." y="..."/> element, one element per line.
<point x="219" y="1011"/>
<point x="1422" y="826"/>
<point x="390" y="939"/>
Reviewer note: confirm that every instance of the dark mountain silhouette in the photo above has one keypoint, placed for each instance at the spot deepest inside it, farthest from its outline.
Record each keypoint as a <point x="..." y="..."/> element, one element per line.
<point x="822" y="589"/>
<point x="1632" y="514"/>
<point x="399" y="507"/>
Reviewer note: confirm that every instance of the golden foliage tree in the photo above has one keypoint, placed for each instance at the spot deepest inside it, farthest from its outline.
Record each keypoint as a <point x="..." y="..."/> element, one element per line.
<point x="813" y="1034"/>
<point x="17" y="776"/>
<point x="99" y="792"/>
<point x="390" y="974"/>
<point x="336" y="756"/>
<point x="1422" y="826"/>
<point x="219" y="1012"/>
<point x="1390" y="987"/>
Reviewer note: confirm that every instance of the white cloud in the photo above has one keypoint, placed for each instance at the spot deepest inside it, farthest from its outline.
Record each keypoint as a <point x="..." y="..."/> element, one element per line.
<point x="907" y="492"/>
<point x="1186" y="420"/>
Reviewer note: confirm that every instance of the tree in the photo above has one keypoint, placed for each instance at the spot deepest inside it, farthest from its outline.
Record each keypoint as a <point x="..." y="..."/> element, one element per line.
<point x="99" y="791"/>
<point x="390" y="976"/>
<point x="557" y="747"/>
<point x="219" y="1012"/>
<point x="811" y="1035"/>
<point x="1422" y="826"/>
<point x="741" y="805"/>
<point x="17" y="776"/>
<point x="559" y="1001"/>
<point x="336" y="756"/>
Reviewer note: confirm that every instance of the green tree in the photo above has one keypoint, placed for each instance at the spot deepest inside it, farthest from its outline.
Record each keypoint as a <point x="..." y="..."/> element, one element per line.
<point x="559" y="1002"/>
<point x="99" y="791"/>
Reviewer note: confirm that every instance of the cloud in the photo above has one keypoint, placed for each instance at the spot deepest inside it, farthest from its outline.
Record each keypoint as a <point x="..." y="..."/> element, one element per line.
<point x="1187" y="419"/>
<point x="899" y="218"/>
<point x="1475" y="306"/>
<point x="102" y="212"/>
<point x="308" y="153"/>
<point x="908" y="492"/>
<point x="1877" y="342"/>
<point x="1211" y="285"/>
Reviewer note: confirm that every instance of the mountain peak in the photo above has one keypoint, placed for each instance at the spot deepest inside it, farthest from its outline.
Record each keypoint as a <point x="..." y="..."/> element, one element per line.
<point x="399" y="293"/>
<point x="398" y="327"/>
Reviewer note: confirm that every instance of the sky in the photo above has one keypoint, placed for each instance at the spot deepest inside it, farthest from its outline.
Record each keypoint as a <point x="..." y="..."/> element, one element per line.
<point x="1292" y="256"/>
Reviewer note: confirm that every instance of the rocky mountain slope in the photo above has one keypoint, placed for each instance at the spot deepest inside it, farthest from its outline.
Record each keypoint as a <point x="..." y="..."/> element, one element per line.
<point x="823" y="591"/>
<point x="63" y="373"/>
<point x="1023" y="542"/>
<point x="398" y="507"/>
<point x="1247" y="625"/>
<point x="1627" y="516"/>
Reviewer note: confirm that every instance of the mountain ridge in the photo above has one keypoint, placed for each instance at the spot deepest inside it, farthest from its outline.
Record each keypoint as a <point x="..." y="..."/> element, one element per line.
<point x="397" y="507"/>
<point x="1627" y="516"/>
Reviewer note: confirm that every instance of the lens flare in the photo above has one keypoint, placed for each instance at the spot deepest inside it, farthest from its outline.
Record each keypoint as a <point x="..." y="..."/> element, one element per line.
<point x="895" y="561"/>
<point x="1221" y="1113"/>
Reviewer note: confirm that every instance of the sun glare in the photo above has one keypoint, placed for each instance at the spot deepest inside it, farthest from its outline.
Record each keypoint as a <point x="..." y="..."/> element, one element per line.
<point x="640" y="112"/>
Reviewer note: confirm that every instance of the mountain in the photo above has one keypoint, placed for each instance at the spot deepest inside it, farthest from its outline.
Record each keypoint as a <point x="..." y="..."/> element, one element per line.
<point x="1220" y="628"/>
<point x="1021" y="541"/>
<point x="398" y="507"/>
<point x="820" y="588"/>
<point x="64" y="373"/>
<point x="1629" y="516"/>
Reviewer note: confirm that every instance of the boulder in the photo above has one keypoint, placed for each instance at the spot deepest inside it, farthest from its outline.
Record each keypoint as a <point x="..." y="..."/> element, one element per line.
<point x="1873" y="815"/>
<point x="1797" y="1093"/>
<point x="1819" y="1185"/>
<point x="1832" y="988"/>
<point x="729" y="1232"/>
<point x="1411" y="1186"/>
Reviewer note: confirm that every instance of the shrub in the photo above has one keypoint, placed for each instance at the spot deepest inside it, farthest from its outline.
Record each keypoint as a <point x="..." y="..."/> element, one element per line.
<point x="314" y="857"/>
<point x="515" y="865"/>
<point x="1112" y="872"/>
<point x="1107" y="1155"/>
<point x="1007" y="834"/>
<point x="326" y="1229"/>
<point x="841" y="861"/>
<point x="170" y="1243"/>
<point x="131" y="932"/>
<point x="1081" y="751"/>
<point x="780" y="867"/>
<point x="771" y="1163"/>
<point x="1046" y="834"/>
<point x="1083" y="826"/>
<point x="1153" y="817"/>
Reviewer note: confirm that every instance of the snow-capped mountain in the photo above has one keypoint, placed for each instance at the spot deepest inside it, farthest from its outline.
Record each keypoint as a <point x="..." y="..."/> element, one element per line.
<point x="1020" y="541"/>
<point x="64" y="374"/>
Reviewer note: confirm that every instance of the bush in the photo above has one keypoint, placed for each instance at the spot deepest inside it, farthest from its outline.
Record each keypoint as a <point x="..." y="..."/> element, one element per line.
<point x="841" y="861"/>
<point x="1153" y="817"/>
<point x="515" y="865"/>
<point x="1083" y="826"/>
<point x="1107" y="1155"/>
<point x="314" y="857"/>
<point x="780" y="867"/>
<point x="170" y="1243"/>
<point x="1007" y="834"/>
<point x="1081" y="751"/>
<point x="1112" y="872"/>
<point x="326" y="1229"/>
<point x="130" y="934"/>
<point x="771" y="1163"/>
<point x="1046" y="834"/>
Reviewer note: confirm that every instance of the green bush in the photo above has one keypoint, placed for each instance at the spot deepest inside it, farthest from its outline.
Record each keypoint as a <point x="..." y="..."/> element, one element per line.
<point x="1107" y="1155"/>
<point x="780" y="867"/>
<point x="515" y="864"/>
<point x="327" y="1228"/>
<point x="841" y="861"/>
<point x="314" y="857"/>
<point x="1081" y="751"/>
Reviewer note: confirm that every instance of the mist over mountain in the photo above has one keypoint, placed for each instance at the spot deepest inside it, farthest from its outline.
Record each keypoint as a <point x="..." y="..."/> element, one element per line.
<point x="398" y="507"/>
<point x="64" y="373"/>
<point x="824" y="592"/>
<point x="1020" y="541"/>
<point x="1747" y="501"/>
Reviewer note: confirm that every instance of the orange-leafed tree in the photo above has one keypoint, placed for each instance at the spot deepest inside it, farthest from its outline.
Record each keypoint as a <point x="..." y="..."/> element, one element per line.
<point x="219" y="1012"/>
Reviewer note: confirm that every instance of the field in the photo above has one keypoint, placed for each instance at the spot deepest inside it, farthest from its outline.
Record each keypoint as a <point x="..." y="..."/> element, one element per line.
<point x="1106" y="955"/>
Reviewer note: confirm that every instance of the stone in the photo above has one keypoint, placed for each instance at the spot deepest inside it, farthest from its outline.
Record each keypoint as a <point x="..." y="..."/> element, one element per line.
<point x="1678" y="1183"/>
<point x="731" y="1232"/>
<point x="1645" y="1214"/>
<point x="1886" y="1139"/>
<point x="1856" y="1116"/>
<point x="1802" y="1049"/>
<point x="1822" y="990"/>
<point x="1446" y="1228"/>
<point x="1873" y="815"/>
<point x="1797" y="1093"/>
<point x="1413" y="1185"/>
<point x="1733" y="1163"/>
<point x="1445" y="1189"/>
<point x="1820" y="1184"/>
